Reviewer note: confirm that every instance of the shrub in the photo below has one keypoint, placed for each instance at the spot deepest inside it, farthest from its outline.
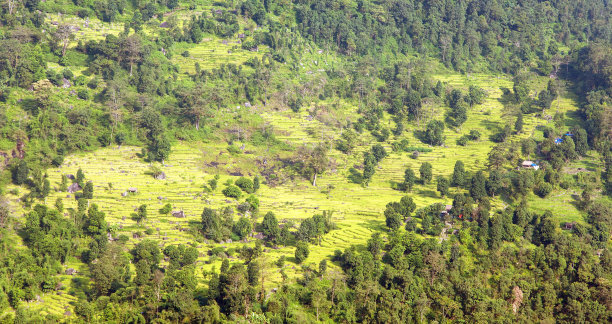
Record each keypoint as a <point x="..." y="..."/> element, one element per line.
<point x="83" y="94"/>
<point x="301" y="252"/>
<point x="93" y="83"/>
<point x="232" y="192"/>
<point x="253" y="203"/>
<point x="462" y="141"/>
<point x="80" y="80"/>
<point x="245" y="184"/>
<point x="185" y="54"/>
<point x="83" y="13"/>
<point x="281" y="261"/>
<point x="67" y="73"/>
<point x="166" y="209"/>
<point x="105" y="139"/>
<point x="543" y="189"/>
<point x="233" y="149"/>
<point x="474" y="135"/>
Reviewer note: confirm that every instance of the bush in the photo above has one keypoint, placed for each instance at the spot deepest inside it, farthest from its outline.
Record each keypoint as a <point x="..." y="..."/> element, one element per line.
<point x="83" y="94"/>
<point x="233" y="149"/>
<point x="245" y="184"/>
<point x="301" y="252"/>
<point x="105" y="139"/>
<point x="185" y="54"/>
<point x="232" y="192"/>
<point x="80" y="80"/>
<point x="166" y="209"/>
<point x="213" y="183"/>
<point x="462" y="141"/>
<point x="93" y="83"/>
<point x="67" y="73"/>
<point x="83" y="13"/>
<point x="120" y="138"/>
<point x="149" y="231"/>
<point x="543" y="189"/>
<point x="474" y="135"/>
<point x="281" y="261"/>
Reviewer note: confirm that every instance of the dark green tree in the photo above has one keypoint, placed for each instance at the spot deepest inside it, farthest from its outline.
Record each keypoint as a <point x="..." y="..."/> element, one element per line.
<point x="88" y="190"/>
<point x="478" y="186"/>
<point x="159" y="149"/>
<point x="443" y="185"/>
<point x="242" y="228"/>
<point x="379" y="153"/>
<point x="458" y="178"/>
<point x="270" y="227"/>
<point x="518" y="125"/>
<point x="434" y="133"/>
<point x="211" y="224"/>
<point x="301" y="251"/>
<point x="426" y="172"/>
<point x="80" y="177"/>
<point x="409" y="179"/>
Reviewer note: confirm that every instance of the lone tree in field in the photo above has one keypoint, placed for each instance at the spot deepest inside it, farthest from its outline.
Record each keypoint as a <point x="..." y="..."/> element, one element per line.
<point x="518" y="125"/>
<point x="301" y="252"/>
<point x="434" y="133"/>
<point x="443" y="185"/>
<point x="270" y="227"/>
<point x="141" y="214"/>
<point x="80" y="176"/>
<point x="159" y="149"/>
<point x="314" y="161"/>
<point x="426" y="172"/>
<point x="458" y="178"/>
<point x="88" y="190"/>
<point x="20" y="173"/>
<point x="409" y="179"/>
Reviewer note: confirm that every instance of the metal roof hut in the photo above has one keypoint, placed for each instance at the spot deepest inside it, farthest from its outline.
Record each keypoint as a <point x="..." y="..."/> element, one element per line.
<point x="530" y="165"/>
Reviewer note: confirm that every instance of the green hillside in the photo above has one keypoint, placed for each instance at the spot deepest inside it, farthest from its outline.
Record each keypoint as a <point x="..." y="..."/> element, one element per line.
<point x="305" y="161"/>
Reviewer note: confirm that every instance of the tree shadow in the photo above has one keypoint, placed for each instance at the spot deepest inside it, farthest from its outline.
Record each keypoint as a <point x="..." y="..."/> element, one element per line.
<point x="420" y="135"/>
<point x="29" y="105"/>
<point x="490" y="125"/>
<point x="574" y="119"/>
<point x="507" y="96"/>
<point x="399" y="186"/>
<point x="355" y="176"/>
<point x="576" y="201"/>
<point x="375" y="225"/>
<point x="428" y="193"/>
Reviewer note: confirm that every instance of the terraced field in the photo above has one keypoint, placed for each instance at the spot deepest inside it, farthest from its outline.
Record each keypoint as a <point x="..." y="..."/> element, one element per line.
<point x="211" y="53"/>
<point x="357" y="210"/>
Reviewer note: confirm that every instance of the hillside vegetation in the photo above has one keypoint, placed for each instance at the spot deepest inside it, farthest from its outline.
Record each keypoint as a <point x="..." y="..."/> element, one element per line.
<point x="305" y="161"/>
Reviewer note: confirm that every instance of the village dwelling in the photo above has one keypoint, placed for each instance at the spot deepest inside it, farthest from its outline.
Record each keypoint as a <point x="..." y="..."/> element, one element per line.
<point x="446" y="210"/>
<point x="530" y="165"/>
